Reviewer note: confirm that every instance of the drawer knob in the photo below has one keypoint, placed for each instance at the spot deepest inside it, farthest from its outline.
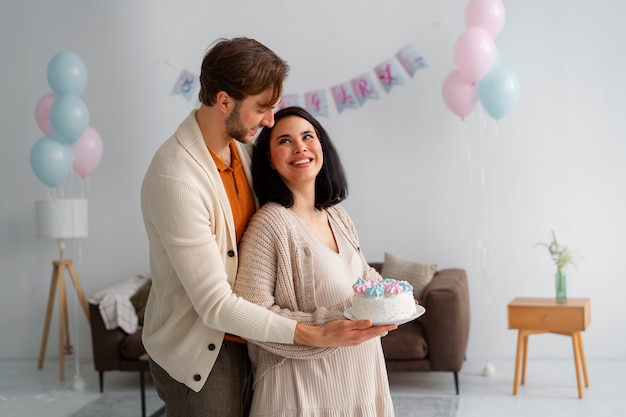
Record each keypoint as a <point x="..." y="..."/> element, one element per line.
<point x="545" y="318"/>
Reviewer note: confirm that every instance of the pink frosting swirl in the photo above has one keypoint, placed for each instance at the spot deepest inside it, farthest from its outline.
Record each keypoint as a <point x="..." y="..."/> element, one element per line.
<point x="361" y="285"/>
<point x="393" y="288"/>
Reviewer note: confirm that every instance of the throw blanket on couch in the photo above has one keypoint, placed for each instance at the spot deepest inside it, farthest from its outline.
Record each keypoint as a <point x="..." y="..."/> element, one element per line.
<point x="115" y="305"/>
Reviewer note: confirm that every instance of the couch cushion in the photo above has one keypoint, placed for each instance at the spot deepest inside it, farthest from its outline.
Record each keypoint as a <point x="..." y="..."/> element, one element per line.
<point x="406" y="342"/>
<point x="140" y="299"/>
<point x="417" y="274"/>
<point x="132" y="346"/>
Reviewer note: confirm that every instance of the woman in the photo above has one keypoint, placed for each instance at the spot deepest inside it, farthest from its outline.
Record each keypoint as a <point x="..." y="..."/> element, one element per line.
<point x="299" y="258"/>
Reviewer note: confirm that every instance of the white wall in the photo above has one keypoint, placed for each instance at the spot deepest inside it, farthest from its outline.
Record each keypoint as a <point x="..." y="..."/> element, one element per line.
<point x="475" y="194"/>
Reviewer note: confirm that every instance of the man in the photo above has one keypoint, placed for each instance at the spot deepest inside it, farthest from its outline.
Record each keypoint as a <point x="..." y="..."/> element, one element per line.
<point x="196" y="200"/>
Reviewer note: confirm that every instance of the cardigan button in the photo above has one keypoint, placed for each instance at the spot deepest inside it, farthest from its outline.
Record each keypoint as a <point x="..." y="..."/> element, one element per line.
<point x="231" y="253"/>
<point x="197" y="377"/>
<point x="211" y="346"/>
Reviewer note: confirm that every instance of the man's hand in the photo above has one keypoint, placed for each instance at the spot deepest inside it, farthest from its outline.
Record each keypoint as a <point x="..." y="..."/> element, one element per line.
<point x="339" y="333"/>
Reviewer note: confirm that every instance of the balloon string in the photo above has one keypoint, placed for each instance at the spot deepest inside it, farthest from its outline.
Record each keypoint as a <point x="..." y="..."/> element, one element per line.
<point x="480" y="172"/>
<point x="436" y="24"/>
<point x="85" y="187"/>
<point x="170" y="64"/>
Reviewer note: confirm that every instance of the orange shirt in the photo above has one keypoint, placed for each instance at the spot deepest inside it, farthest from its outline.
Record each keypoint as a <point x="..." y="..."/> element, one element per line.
<point x="238" y="190"/>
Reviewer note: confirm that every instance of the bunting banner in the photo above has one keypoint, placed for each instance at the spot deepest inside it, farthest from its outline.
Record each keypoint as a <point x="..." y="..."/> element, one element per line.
<point x="351" y="94"/>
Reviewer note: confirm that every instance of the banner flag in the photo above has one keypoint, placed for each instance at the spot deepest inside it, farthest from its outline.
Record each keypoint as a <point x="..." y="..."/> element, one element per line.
<point x="410" y="59"/>
<point x="288" y="100"/>
<point x="187" y="85"/>
<point x="315" y="102"/>
<point x="364" y="88"/>
<point x="344" y="97"/>
<point x="388" y="74"/>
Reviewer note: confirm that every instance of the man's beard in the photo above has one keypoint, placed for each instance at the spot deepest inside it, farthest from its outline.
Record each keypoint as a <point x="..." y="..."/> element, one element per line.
<point x="234" y="126"/>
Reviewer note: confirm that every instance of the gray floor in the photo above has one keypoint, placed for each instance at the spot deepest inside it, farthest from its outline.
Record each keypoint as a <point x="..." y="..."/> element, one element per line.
<point x="550" y="389"/>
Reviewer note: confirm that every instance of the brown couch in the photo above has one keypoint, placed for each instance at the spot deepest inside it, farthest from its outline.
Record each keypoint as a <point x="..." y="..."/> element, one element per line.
<point x="437" y="341"/>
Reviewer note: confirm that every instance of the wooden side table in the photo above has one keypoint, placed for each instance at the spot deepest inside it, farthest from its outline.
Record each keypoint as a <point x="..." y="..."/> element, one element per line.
<point x="544" y="315"/>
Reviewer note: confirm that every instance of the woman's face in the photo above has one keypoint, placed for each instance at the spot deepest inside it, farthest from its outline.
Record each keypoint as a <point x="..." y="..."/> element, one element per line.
<point x="295" y="151"/>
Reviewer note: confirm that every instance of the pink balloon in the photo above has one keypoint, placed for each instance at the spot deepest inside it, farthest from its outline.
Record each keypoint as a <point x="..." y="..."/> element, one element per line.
<point x="473" y="53"/>
<point x="488" y="15"/>
<point x="459" y="94"/>
<point x="87" y="152"/>
<point x="42" y="113"/>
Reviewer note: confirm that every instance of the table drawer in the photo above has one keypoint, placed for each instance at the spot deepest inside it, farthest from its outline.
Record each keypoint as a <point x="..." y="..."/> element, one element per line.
<point x="549" y="319"/>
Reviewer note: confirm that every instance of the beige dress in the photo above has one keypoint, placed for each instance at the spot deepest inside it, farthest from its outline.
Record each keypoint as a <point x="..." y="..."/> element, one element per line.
<point x="353" y="381"/>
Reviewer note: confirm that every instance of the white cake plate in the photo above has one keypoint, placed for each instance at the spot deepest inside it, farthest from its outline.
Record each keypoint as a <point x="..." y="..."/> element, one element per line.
<point x="419" y="310"/>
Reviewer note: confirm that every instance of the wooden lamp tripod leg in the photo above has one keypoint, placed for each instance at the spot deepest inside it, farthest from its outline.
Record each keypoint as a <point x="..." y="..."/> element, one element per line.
<point x="46" y="327"/>
<point x="79" y="288"/>
<point x="58" y="284"/>
<point x="63" y="327"/>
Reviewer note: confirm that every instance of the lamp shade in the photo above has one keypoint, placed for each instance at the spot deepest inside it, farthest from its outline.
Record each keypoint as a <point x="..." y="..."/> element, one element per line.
<point x="63" y="218"/>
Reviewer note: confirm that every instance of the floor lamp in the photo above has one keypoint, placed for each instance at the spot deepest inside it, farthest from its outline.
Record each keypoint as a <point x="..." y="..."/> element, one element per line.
<point x="61" y="219"/>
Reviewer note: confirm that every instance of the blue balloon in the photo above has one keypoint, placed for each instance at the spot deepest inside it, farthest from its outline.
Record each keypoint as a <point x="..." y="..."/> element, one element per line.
<point x="67" y="74"/>
<point x="69" y="117"/>
<point x="498" y="91"/>
<point x="51" y="161"/>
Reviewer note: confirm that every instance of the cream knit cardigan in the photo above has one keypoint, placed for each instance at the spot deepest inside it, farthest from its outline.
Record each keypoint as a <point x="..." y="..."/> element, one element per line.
<point x="193" y="262"/>
<point x="276" y="272"/>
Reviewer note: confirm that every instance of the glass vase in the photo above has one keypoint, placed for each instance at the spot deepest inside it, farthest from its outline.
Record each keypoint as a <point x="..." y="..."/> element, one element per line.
<point x="560" y="281"/>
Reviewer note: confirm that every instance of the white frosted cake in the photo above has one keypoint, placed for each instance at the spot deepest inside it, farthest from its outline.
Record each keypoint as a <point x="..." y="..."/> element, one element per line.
<point x="382" y="301"/>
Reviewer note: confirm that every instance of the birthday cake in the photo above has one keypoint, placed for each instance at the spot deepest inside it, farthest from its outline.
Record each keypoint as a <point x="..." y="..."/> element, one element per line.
<point x="382" y="301"/>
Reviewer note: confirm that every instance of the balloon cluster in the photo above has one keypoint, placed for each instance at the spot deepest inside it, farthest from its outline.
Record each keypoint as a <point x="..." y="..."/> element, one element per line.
<point x="479" y="75"/>
<point x="63" y="117"/>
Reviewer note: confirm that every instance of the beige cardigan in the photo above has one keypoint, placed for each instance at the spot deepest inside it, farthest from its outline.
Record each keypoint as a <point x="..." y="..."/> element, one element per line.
<point x="193" y="262"/>
<point x="276" y="272"/>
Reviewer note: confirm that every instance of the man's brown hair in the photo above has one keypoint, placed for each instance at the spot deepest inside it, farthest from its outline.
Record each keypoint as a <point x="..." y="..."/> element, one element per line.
<point x="241" y="67"/>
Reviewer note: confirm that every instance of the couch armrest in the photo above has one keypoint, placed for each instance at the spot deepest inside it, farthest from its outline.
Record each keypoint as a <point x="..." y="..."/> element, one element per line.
<point x="447" y="318"/>
<point x="106" y="343"/>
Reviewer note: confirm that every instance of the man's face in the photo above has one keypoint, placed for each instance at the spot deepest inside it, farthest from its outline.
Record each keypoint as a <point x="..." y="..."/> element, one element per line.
<point x="248" y="116"/>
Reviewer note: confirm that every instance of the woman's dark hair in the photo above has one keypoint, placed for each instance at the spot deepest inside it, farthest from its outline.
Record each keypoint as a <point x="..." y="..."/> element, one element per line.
<point x="331" y="186"/>
<point x="242" y="67"/>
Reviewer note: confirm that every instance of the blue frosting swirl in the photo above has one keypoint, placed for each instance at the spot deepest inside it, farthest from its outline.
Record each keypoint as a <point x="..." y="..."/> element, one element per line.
<point x="375" y="291"/>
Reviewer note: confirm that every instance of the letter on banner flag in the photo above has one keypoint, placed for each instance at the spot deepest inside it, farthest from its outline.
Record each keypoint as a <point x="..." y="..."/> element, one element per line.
<point x="344" y="97"/>
<point x="410" y="59"/>
<point x="315" y="102"/>
<point x="186" y="85"/>
<point x="364" y="88"/>
<point x="388" y="74"/>
<point x="288" y="100"/>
